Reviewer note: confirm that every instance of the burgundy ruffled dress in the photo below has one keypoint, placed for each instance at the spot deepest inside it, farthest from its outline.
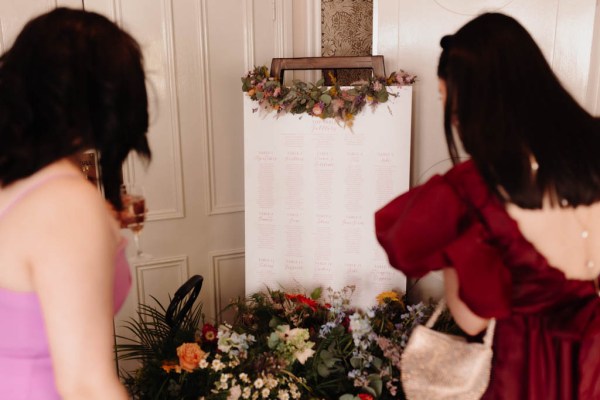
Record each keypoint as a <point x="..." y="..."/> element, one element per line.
<point x="547" y="339"/>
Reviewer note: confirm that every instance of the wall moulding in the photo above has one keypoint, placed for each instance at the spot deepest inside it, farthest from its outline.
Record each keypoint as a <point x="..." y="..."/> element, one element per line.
<point x="173" y="270"/>
<point x="227" y="264"/>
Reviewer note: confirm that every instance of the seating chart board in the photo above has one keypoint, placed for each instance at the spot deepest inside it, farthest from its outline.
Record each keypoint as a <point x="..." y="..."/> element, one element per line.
<point x="312" y="187"/>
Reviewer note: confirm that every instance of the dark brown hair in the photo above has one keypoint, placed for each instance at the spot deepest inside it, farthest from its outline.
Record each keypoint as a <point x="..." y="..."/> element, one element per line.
<point x="509" y="108"/>
<point x="72" y="81"/>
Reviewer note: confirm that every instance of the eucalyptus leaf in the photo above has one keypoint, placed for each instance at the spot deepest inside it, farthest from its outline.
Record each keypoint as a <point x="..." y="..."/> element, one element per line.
<point x="377" y="362"/>
<point x="275" y="322"/>
<point x="376" y="383"/>
<point x="325" y="98"/>
<point x="356" y="362"/>
<point x="323" y="371"/>
<point x="370" y="390"/>
<point x="382" y="96"/>
<point x="330" y="362"/>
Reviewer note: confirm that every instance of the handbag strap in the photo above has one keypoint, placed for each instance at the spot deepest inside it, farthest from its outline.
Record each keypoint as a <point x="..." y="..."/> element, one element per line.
<point x="488" y="338"/>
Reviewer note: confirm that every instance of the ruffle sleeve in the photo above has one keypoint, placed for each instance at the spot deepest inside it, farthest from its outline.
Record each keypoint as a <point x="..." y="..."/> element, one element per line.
<point x="414" y="227"/>
<point x="431" y="227"/>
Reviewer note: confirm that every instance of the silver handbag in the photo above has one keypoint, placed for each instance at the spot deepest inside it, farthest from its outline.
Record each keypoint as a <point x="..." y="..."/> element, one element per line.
<point x="437" y="366"/>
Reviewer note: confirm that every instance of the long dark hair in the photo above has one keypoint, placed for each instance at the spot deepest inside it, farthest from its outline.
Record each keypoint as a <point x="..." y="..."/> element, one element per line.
<point x="510" y="109"/>
<point x="72" y="81"/>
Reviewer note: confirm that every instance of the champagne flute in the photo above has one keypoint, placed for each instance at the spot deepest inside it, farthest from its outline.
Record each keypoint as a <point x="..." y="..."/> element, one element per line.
<point x="134" y="212"/>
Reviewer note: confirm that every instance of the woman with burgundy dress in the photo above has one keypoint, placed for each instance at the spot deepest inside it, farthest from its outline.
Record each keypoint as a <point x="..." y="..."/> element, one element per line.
<point x="516" y="228"/>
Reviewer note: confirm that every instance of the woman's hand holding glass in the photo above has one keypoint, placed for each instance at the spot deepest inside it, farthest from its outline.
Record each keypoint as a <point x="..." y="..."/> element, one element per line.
<point x="134" y="212"/>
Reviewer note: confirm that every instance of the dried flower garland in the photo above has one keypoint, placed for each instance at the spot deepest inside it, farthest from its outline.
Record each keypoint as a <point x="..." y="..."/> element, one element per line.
<point x="342" y="104"/>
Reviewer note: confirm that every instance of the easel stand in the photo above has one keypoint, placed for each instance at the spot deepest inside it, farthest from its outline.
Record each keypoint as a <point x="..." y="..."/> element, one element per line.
<point x="280" y="65"/>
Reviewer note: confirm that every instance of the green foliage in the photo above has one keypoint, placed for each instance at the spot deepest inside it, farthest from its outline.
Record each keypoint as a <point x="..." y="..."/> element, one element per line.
<point x="306" y="346"/>
<point x="152" y="343"/>
<point x="339" y="103"/>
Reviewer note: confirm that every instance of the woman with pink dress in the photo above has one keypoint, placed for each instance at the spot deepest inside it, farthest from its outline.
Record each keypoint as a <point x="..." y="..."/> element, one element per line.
<point x="73" y="81"/>
<point x="515" y="229"/>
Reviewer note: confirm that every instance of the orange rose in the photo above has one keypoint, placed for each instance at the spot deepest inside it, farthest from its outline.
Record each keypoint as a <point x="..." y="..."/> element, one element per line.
<point x="190" y="355"/>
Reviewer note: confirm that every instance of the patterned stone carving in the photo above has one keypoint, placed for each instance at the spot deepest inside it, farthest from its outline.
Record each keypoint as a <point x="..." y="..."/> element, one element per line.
<point x="347" y="30"/>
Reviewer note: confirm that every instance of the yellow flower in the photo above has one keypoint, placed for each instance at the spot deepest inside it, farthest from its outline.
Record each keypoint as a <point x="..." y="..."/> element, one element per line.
<point x="332" y="77"/>
<point x="386" y="297"/>
<point x="369" y="98"/>
<point x="333" y="91"/>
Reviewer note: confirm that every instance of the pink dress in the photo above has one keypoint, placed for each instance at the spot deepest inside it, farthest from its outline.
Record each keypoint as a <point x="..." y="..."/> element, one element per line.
<point x="25" y="365"/>
<point x="547" y="339"/>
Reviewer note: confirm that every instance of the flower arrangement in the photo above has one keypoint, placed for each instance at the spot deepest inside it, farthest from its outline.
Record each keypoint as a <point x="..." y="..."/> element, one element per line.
<point x="280" y="346"/>
<point x="318" y="100"/>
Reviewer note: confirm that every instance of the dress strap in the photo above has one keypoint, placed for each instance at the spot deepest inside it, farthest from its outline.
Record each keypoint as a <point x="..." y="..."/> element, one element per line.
<point x="23" y="193"/>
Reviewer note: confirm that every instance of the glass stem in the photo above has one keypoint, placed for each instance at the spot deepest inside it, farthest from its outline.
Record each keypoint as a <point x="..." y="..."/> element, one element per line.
<point x="136" y="239"/>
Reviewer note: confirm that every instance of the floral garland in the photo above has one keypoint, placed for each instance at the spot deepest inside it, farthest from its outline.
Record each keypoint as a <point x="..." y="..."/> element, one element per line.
<point x="280" y="346"/>
<point x="342" y="104"/>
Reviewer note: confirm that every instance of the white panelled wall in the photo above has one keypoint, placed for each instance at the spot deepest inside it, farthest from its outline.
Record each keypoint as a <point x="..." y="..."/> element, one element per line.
<point x="195" y="53"/>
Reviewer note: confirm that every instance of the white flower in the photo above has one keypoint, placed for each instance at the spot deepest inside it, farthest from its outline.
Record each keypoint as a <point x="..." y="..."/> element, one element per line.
<point x="360" y="327"/>
<point x="244" y="377"/>
<point x="221" y="385"/>
<point x="271" y="382"/>
<point x="304" y="355"/>
<point x="283" y="395"/>
<point x="258" y="383"/>
<point x="265" y="393"/>
<point x="217" y="365"/>
<point x="246" y="393"/>
<point x="291" y="344"/>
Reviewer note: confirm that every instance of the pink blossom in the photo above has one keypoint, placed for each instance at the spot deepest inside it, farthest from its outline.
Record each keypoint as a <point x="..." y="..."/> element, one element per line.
<point x="337" y="104"/>
<point x="317" y="109"/>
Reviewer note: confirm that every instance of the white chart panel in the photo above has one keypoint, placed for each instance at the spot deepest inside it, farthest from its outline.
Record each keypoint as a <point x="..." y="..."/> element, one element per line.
<point x="312" y="187"/>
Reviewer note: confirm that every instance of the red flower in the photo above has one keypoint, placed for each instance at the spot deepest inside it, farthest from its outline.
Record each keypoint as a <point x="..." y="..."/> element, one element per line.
<point x="300" y="298"/>
<point x="346" y="323"/>
<point x="209" y="333"/>
<point x="364" y="396"/>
